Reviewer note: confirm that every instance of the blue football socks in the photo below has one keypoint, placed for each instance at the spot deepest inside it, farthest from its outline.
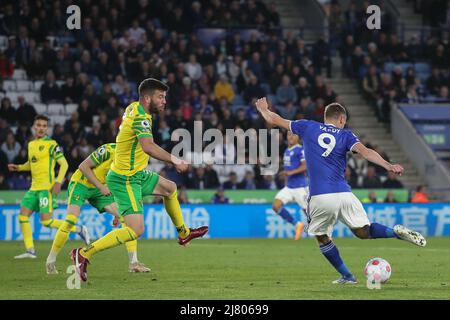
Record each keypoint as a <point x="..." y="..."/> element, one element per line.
<point x="377" y="230"/>
<point x="286" y="216"/>
<point x="331" y="252"/>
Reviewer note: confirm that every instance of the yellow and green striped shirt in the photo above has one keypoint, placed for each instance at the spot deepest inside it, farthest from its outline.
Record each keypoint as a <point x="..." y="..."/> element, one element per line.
<point x="42" y="156"/>
<point x="129" y="157"/>
<point x="102" y="158"/>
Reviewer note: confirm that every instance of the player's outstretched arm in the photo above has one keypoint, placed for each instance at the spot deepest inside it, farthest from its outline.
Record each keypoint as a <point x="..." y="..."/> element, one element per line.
<point x="374" y="157"/>
<point x="86" y="168"/>
<point x="155" y="151"/>
<point x="19" y="167"/>
<point x="271" y="117"/>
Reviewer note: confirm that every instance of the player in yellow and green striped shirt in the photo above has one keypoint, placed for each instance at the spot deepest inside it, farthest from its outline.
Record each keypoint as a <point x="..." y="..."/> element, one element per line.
<point x="88" y="183"/>
<point x="129" y="181"/>
<point x="43" y="154"/>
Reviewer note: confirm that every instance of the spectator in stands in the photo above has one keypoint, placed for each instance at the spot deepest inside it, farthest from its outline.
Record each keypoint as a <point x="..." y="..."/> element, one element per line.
<point x="371" y="198"/>
<point x="224" y="89"/>
<point x="371" y="181"/>
<point x="268" y="182"/>
<point x="253" y="90"/>
<point x="219" y="197"/>
<point x="182" y="195"/>
<point x="390" y="198"/>
<point x="248" y="182"/>
<point x="10" y="147"/>
<point x="193" y="68"/>
<point x="50" y="91"/>
<point x="392" y="182"/>
<point x="3" y="184"/>
<point x="351" y="177"/>
<point x="58" y="134"/>
<point x="3" y="163"/>
<point x="203" y="179"/>
<point x="435" y="81"/>
<point x="286" y="91"/>
<point x="440" y="58"/>
<point x="359" y="166"/>
<point x="232" y="182"/>
<point x="70" y="93"/>
<point x="26" y="111"/>
<point x="6" y="67"/>
<point x="19" y="182"/>
<point x="371" y="84"/>
<point x="85" y="113"/>
<point x="7" y="111"/>
<point x="420" y="196"/>
<point x="444" y="94"/>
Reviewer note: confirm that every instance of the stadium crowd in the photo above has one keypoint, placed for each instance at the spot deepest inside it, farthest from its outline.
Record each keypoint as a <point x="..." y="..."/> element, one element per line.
<point x="99" y="67"/>
<point x="388" y="69"/>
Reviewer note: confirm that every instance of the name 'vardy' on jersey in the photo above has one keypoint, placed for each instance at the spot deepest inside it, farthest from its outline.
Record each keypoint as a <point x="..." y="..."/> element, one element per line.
<point x="326" y="150"/>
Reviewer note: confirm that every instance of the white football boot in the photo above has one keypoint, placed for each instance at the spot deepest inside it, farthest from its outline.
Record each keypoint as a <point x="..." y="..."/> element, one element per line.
<point x="410" y="235"/>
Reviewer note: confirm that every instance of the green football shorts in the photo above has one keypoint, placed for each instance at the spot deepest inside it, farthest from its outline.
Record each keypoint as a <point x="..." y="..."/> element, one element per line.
<point x="128" y="191"/>
<point x="79" y="193"/>
<point x="41" y="201"/>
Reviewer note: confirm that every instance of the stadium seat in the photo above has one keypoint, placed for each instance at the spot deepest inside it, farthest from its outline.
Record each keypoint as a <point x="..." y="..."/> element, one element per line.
<point x="238" y="100"/>
<point x="38" y="84"/>
<point x="247" y="33"/>
<point x="31" y="96"/>
<point x="405" y="66"/>
<point x="388" y="67"/>
<point x="3" y="41"/>
<point x="24" y="85"/>
<point x="211" y="36"/>
<point x="421" y="67"/>
<point x="55" y="108"/>
<point x="9" y="85"/>
<point x="12" y="95"/>
<point x="71" y="108"/>
<point x="57" y="119"/>
<point x="19" y="74"/>
<point x="41" y="108"/>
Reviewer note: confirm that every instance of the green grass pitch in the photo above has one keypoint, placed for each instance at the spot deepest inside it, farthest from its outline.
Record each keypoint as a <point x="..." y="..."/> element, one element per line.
<point x="233" y="269"/>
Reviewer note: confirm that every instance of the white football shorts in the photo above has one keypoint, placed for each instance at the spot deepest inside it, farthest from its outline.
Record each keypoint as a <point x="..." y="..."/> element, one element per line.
<point x="325" y="210"/>
<point x="299" y="195"/>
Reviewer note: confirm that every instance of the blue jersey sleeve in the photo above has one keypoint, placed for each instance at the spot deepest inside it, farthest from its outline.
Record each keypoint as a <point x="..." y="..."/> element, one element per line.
<point x="350" y="140"/>
<point x="299" y="127"/>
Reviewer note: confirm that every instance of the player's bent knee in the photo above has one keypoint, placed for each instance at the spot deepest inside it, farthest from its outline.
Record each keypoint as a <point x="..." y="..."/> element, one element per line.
<point x="323" y="239"/>
<point x="170" y="189"/>
<point x="362" y="233"/>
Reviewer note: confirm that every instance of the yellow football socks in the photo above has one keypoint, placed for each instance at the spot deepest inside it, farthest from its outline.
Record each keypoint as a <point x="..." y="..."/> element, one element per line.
<point x="131" y="245"/>
<point x="112" y="239"/>
<point x="174" y="210"/>
<point x="63" y="232"/>
<point x="26" y="231"/>
<point x="56" y="223"/>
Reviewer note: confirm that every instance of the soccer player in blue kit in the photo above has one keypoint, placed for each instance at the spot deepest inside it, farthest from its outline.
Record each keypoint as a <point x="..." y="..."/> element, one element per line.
<point x="326" y="145"/>
<point x="296" y="189"/>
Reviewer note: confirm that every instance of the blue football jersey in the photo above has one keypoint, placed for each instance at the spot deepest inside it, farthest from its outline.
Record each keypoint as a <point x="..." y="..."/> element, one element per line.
<point x="292" y="159"/>
<point x="325" y="152"/>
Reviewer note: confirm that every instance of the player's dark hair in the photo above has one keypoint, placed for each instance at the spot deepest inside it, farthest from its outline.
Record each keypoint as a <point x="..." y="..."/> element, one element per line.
<point x="334" y="110"/>
<point x="42" y="117"/>
<point x="149" y="85"/>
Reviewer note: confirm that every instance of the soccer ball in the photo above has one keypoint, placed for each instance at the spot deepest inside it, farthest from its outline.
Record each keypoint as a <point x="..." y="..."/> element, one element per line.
<point x="378" y="269"/>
